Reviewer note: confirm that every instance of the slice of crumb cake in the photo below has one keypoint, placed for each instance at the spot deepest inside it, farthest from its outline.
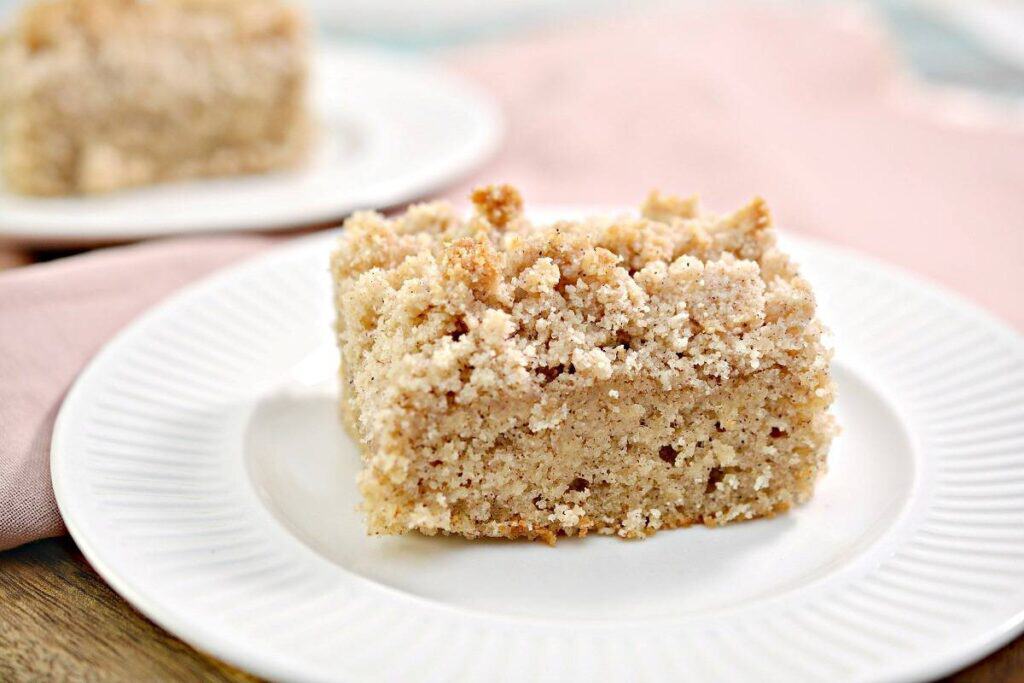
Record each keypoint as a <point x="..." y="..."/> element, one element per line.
<point x="99" y="95"/>
<point x="611" y="375"/>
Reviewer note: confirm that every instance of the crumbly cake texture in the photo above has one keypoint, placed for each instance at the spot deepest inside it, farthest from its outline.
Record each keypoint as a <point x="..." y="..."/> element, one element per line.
<point x="614" y="375"/>
<point x="97" y="95"/>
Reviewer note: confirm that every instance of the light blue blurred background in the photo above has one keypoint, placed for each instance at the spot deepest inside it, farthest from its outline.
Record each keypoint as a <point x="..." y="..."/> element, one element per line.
<point x="978" y="44"/>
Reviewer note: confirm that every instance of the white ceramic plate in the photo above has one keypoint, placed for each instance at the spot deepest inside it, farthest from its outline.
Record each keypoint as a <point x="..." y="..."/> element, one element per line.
<point x="392" y="129"/>
<point x="200" y="466"/>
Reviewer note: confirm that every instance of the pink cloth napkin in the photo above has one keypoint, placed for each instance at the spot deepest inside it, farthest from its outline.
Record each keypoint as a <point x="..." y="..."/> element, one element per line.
<point x="805" y="108"/>
<point x="53" y="318"/>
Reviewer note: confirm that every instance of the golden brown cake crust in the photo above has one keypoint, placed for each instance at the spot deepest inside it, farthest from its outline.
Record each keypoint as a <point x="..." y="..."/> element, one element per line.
<point x="615" y="375"/>
<point x="47" y="23"/>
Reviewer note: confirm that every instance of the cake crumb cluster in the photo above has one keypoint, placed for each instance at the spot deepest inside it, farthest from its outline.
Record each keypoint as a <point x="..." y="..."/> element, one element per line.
<point x="614" y="375"/>
<point x="98" y="95"/>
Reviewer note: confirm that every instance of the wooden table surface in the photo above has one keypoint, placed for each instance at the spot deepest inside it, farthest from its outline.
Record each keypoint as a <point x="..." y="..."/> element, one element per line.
<point x="60" y="621"/>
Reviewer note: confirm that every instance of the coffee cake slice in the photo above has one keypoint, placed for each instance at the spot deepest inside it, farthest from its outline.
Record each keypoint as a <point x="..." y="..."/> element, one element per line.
<point x="97" y="95"/>
<point x="614" y="375"/>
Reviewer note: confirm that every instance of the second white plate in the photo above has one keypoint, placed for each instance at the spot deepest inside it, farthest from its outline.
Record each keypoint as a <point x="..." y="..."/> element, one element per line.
<point x="200" y="465"/>
<point x="392" y="129"/>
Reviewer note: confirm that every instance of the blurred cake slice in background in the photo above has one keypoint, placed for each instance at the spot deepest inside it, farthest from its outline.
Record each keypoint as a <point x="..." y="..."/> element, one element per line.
<point x="98" y="95"/>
